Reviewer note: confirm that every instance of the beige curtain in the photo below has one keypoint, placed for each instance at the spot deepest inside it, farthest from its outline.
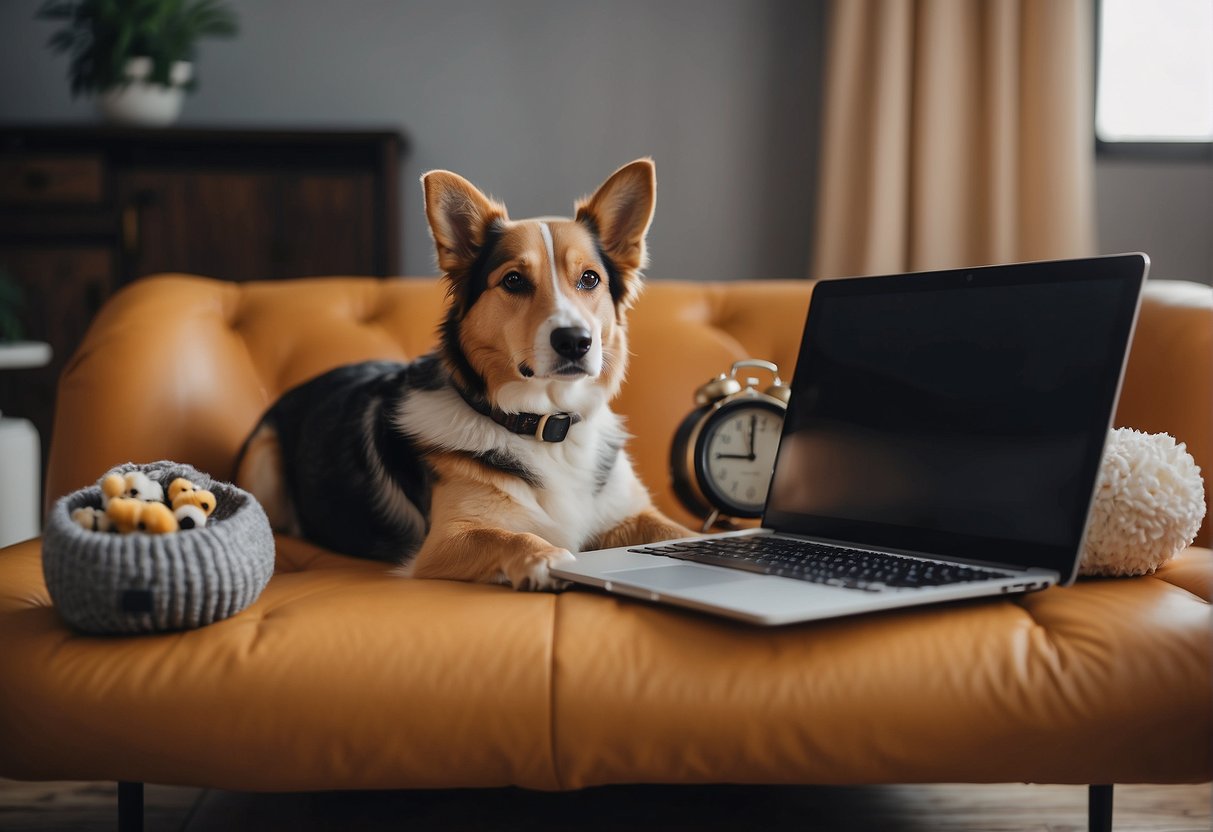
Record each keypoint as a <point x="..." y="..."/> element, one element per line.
<point x="956" y="133"/>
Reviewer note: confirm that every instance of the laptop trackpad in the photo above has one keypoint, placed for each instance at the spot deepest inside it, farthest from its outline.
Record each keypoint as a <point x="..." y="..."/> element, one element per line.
<point x="677" y="576"/>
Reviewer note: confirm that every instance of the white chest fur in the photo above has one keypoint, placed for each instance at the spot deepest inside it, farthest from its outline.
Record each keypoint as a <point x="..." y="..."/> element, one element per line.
<point x="585" y="484"/>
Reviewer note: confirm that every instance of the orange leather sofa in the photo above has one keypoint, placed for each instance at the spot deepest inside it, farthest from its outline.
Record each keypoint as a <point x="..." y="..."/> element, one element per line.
<point x="343" y="677"/>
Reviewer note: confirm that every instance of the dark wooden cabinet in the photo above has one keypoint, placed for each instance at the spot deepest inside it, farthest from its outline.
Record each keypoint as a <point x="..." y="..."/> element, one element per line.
<point x="250" y="226"/>
<point x="83" y="211"/>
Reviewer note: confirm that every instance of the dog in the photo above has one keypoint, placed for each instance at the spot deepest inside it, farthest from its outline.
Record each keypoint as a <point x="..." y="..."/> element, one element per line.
<point x="496" y="456"/>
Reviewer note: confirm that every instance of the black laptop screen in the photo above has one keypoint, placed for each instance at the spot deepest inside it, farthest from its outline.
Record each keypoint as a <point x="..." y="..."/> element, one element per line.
<point x="960" y="414"/>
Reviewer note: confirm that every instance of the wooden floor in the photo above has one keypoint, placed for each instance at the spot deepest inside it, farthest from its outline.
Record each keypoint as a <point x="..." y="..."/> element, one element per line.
<point x="83" y="807"/>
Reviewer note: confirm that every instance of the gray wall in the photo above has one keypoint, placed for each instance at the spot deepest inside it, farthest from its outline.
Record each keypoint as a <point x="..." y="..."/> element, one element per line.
<point x="536" y="101"/>
<point x="1164" y="208"/>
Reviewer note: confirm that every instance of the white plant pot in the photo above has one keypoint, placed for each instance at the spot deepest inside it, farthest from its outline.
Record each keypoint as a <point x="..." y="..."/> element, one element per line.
<point x="142" y="104"/>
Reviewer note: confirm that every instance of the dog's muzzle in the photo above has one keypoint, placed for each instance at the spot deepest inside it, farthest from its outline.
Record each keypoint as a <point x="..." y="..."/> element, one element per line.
<point x="571" y="342"/>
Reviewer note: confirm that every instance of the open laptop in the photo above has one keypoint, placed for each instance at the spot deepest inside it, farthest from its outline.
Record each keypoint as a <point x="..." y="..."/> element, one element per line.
<point x="942" y="441"/>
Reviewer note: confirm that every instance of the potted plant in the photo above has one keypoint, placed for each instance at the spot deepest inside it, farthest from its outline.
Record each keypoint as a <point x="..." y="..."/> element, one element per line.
<point x="136" y="56"/>
<point x="15" y="352"/>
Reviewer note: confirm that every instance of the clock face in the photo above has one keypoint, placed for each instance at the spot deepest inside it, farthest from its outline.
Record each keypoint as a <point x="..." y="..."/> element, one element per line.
<point x="738" y="455"/>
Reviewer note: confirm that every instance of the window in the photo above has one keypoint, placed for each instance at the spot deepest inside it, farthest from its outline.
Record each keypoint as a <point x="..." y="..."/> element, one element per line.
<point x="1155" y="76"/>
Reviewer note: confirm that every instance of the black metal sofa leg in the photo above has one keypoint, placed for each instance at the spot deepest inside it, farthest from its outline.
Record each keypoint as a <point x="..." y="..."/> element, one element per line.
<point x="130" y="807"/>
<point x="1099" y="808"/>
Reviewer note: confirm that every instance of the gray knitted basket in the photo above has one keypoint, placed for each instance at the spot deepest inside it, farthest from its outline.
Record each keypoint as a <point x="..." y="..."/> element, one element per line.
<point x="140" y="583"/>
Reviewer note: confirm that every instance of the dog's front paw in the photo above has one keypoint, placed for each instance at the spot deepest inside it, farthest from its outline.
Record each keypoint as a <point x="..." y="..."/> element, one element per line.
<point x="670" y="531"/>
<point x="534" y="573"/>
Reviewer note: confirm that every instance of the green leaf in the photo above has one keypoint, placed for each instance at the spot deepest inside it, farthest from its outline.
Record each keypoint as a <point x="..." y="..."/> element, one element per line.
<point x="122" y="43"/>
<point x="101" y="35"/>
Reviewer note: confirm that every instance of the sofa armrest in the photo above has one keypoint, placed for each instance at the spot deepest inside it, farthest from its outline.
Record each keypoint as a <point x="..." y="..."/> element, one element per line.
<point x="1169" y="382"/>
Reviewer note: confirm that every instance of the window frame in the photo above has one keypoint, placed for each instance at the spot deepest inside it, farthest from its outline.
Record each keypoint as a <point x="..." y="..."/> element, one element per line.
<point x="1139" y="151"/>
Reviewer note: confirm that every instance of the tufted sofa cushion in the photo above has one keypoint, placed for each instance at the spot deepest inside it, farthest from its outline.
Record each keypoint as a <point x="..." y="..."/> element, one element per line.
<point x="342" y="676"/>
<point x="214" y="355"/>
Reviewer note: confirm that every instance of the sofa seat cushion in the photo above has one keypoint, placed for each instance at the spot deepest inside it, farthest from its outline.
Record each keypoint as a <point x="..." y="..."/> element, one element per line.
<point x="343" y="676"/>
<point x="339" y="676"/>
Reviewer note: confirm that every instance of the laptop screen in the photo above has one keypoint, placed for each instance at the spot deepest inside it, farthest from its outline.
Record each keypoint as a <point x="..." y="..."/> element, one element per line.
<point x="960" y="414"/>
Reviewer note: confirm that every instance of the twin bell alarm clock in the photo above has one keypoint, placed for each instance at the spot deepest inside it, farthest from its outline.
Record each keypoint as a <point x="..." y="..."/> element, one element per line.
<point x="724" y="451"/>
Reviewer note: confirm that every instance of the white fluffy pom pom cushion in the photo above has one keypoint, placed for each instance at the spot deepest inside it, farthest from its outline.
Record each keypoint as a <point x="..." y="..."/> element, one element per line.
<point x="1148" y="506"/>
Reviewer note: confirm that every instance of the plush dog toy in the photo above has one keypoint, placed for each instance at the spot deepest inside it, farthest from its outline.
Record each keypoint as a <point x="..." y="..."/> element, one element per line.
<point x="93" y="519"/>
<point x="133" y="484"/>
<point x="130" y="515"/>
<point x="134" y="502"/>
<point x="179" y="486"/>
<point x="1149" y="504"/>
<point x="191" y="505"/>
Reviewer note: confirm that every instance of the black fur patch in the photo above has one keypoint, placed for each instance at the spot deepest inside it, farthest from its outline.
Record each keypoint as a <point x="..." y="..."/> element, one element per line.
<point x="614" y="280"/>
<point x="470" y="285"/>
<point x="465" y="374"/>
<point x="427" y="373"/>
<point x="507" y="463"/>
<point x="401" y="458"/>
<point x="608" y="455"/>
<point x="322" y="430"/>
<point x="466" y="289"/>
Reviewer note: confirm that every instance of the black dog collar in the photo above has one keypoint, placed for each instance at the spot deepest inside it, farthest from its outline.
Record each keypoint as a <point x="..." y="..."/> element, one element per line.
<point x="546" y="427"/>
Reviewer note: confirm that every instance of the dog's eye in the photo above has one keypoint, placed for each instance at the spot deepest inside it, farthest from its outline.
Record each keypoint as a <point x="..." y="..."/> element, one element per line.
<point x="588" y="280"/>
<point x="514" y="283"/>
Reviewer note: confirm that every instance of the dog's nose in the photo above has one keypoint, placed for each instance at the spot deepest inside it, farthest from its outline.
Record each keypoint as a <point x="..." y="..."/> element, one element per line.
<point x="571" y="341"/>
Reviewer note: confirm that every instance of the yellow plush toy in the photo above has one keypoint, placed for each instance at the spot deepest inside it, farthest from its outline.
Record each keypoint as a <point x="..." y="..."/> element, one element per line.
<point x="178" y="486"/>
<point x="134" y="502"/>
<point x="130" y="515"/>
<point x="191" y="505"/>
<point x="134" y="486"/>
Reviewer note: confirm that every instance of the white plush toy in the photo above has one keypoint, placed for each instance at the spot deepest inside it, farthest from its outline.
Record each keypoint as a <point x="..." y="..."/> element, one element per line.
<point x="1149" y="503"/>
<point x="135" y="485"/>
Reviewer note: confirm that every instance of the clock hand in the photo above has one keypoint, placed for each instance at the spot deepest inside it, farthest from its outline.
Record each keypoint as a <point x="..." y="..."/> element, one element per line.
<point x="753" y="427"/>
<point x="750" y="457"/>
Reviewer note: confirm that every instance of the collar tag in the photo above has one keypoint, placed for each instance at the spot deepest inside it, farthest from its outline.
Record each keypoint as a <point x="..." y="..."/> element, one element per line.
<point x="553" y="427"/>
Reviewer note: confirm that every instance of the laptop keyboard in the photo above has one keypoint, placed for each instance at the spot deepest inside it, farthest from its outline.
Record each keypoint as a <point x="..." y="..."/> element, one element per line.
<point x="820" y="563"/>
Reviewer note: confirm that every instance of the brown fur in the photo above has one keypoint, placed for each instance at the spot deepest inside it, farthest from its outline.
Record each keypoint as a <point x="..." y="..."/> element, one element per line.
<point x="499" y="318"/>
<point x="647" y="527"/>
<point x="466" y="495"/>
<point x="260" y="472"/>
<point x="481" y="518"/>
<point x="476" y="544"/>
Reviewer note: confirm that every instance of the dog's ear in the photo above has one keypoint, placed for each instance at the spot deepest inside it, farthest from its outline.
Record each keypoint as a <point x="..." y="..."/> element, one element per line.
<point x="619" y="213"/>
<point x="460" y="217"/>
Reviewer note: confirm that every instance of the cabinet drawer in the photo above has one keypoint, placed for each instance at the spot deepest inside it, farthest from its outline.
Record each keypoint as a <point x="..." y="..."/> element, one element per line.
<point x="51" y="179"/>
